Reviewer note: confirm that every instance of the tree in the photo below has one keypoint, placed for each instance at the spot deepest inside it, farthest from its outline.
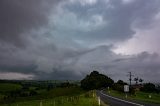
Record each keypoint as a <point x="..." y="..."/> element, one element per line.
<point x="148" y="87"/>
<point x="158" y="89"/>
<point x="96" y="81"/>
<point x="119" y="86"/>
<point x="32" y="93"/>
<point x="121" y="82"/>
<point x="140" y="80"/>
<point x="136" y="79"/>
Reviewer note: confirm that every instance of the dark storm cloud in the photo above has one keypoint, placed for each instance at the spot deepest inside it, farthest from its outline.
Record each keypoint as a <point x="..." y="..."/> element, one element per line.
<point x="20" y="69"/>
<point x="20" y="16"/>
<point x="101" y="58"/>
<point x="59" y="75"/>
<point x="118" y="18"/>
<point x="66" y="39"/>
<point x="143" y="65"/>
<point x="17" y="19"/>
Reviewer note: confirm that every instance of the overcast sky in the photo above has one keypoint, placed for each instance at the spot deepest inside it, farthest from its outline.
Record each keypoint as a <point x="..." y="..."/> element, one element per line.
<point x="67" y="39"/>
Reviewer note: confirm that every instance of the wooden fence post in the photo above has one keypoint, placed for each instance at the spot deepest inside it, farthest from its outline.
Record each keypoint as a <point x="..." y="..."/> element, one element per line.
<point x="99" y="101"/>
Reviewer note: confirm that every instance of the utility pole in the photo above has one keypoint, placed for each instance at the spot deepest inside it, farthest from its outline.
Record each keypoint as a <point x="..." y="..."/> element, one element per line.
<point x="130" y="78"/>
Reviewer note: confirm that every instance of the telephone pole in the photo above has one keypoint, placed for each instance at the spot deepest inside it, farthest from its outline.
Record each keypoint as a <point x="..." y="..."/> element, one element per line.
<point x="130" y="78"/>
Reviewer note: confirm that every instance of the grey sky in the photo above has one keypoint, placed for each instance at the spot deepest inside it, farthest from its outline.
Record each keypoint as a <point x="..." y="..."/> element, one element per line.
<point x="67" y="39"/>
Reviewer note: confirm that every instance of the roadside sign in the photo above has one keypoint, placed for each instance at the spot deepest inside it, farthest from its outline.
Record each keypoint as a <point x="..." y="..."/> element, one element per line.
<point x="126" y="88"/>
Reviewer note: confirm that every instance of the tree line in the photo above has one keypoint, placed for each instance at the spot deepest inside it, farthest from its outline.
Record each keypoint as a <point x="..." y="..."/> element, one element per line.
<point x="95" y="80"/>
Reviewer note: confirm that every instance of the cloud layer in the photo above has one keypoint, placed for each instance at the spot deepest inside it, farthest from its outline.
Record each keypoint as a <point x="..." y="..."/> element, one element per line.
<point x="67" y="39"/>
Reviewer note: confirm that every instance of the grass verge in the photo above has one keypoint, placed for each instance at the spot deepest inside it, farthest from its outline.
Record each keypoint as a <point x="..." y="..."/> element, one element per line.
<point x="140" y="96"/>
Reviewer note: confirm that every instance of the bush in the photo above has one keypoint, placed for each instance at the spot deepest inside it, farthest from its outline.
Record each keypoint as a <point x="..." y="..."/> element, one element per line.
<point x="158" y="89"/>
<point x="32" y="93"/>
<point x="119" y="86"/>
<point x="148" y="87"/>
<point x="132" y="91"/>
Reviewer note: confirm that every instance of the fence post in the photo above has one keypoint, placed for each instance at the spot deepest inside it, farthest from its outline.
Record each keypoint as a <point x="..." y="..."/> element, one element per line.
<point x="54" y="103"/>
<point x="41" y="103"/>
<point x="99" y="101"/>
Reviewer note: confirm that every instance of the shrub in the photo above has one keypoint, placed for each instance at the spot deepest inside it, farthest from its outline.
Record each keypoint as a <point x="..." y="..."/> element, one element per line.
<point x="148" y="87"/>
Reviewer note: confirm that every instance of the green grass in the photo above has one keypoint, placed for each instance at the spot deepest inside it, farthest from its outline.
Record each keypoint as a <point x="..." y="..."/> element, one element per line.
<point x="1" y="96"/>
<point x="141" y="96"/>
<point x="85" y="99"/>
<point x="44" y="94"/>
<point x="65" y="91"/>
<point x="72" y="96"/>
<point x="60" y="101"/>
<point x="155" y="98"/>
<point x="56" y="92"/>
<point x="5" y="87"/>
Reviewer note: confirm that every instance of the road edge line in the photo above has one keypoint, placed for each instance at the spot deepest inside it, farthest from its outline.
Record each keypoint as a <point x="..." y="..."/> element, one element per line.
<point x="120" y="99"/>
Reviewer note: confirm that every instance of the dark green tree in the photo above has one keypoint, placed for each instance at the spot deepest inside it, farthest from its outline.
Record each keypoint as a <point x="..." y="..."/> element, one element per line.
<point x="119" y="85"/>
<point x="121" y="82"/>
<point x="158" y="89"/>
<point x="148" y="87"/>
<point x="136" y="80"/>
<point x="140" y="80"/>
<point x="32" y="93"/>
<point x="96" y="81"/>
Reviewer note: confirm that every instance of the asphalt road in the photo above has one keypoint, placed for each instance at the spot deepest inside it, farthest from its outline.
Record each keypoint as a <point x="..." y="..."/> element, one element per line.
<point x="112" y="101"/>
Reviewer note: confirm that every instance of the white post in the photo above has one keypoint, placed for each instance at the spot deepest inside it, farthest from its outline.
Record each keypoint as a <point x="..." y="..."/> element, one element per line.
<point x="126" y="95"/>
<point x="41" y="103"/>
<point x="108" y="90"/>
<point x="54" y="103"/>
<point x="99" y="101"/>
<point x="93" y="95"/>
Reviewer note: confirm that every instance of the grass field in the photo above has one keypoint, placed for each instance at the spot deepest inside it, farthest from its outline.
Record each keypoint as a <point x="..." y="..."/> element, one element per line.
<point x="141" y="96"/>
<point x="44" y="94"/>
<point x="5" y="87"/>
<point x="85" y="99"/>
<point x="15" y="94"/>
<point x="59" y="101"/>
<point x="73" y="96"/>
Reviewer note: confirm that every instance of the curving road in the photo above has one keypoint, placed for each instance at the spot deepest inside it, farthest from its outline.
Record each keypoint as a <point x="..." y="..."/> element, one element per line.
<point x="112" y="101"/>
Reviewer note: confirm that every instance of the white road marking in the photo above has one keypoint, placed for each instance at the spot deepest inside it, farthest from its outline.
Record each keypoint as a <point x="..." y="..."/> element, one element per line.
<point x="121" y="99"/>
